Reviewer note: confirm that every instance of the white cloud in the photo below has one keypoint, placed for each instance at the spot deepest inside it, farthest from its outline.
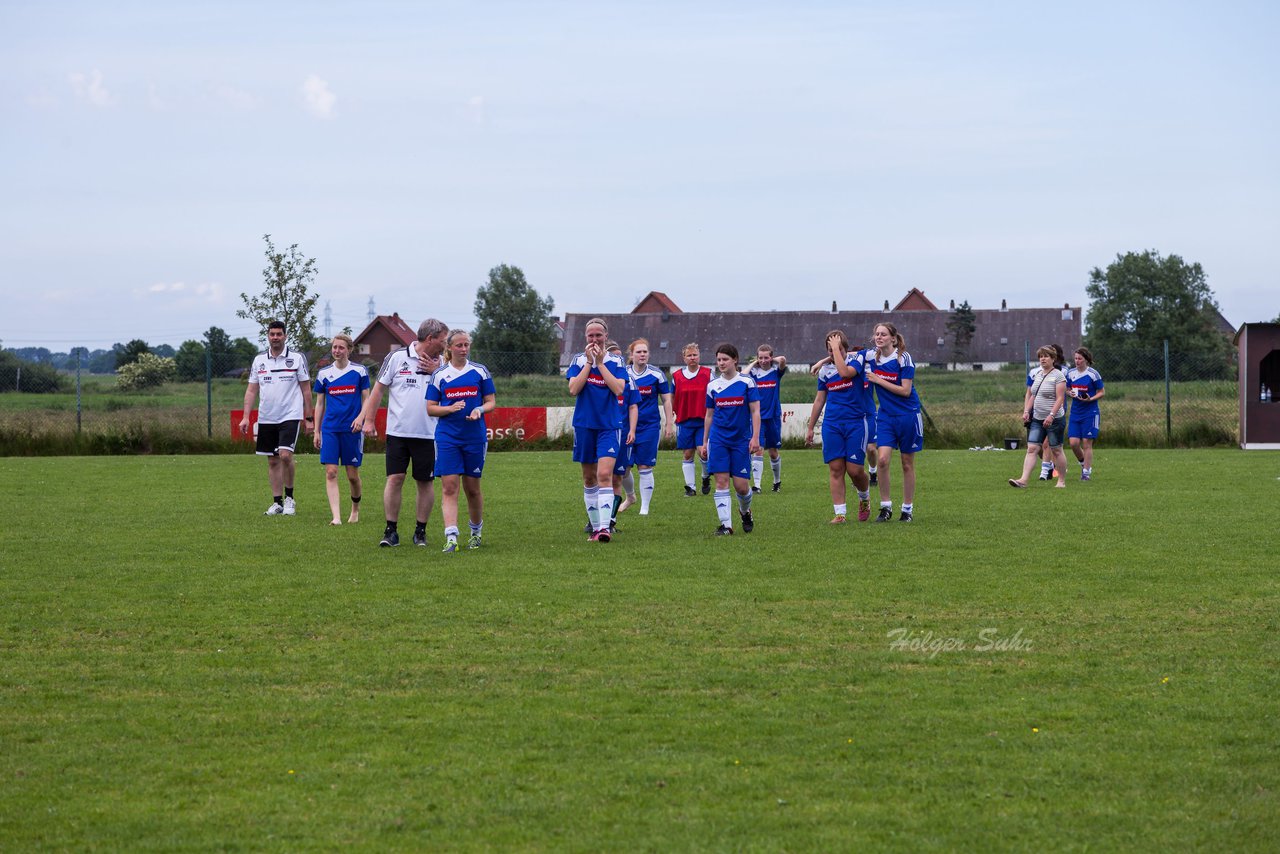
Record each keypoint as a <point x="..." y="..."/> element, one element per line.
<point x="89" y="88"/>
<point x="318" y="98"/>
<point x="203" y="291"/>
<point x="235" y="98"/>
<point x="42" y="99"/>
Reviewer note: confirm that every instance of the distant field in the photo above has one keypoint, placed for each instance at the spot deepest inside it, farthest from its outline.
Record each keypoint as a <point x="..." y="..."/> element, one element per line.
<point x="179" y="672"/>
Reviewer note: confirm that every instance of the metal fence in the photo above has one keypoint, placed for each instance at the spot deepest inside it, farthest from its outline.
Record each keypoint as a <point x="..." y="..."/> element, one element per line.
<point x="43" y="410"/>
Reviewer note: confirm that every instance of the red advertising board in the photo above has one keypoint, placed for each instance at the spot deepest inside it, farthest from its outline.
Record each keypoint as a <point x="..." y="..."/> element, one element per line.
<point x="524" y="423"/>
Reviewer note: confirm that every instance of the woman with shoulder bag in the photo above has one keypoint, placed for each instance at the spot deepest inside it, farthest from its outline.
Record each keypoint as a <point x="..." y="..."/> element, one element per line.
<point x="1042" y="413"/>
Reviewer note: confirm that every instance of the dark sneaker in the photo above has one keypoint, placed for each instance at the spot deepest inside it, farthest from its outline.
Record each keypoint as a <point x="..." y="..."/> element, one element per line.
<point x="706" y="486"/>
<point x="613" y="529"/>
<point x="474" y="542"/>
<point x="419" y="538"/>
<point x="1044" y="475"/>
<point x="748" y="524"/>
<point x="777" y="487"/>
<point x="724" y="531"/>
<point x="450" y="545"/>
<point x="874" y="480"/>
<point x="1086" y="476"/>
<point x="389" y="538"/>
<point x="886" y="515"/>
<point x="757" y="490"/>
<point x="905" y="517"/>
<point x="587" y="529"/>
<point x="602" y="536"/>
<point x="690" y="492"/>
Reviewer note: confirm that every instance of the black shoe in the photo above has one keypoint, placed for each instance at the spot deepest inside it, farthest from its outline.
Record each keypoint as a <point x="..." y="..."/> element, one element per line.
<point x="1044" y="475"/>
<point x="706" y="486"/>
<point x="905" y="517"/>
<point x="748" y="524"/>
<point x="587" y="529"/>
<point x="724" y="531"/>
<point x="389" y="538"/>
<point x="613" y="529"/>
<point x="419" y="538"/>
<point x="886" y="515"/>
<point x="690" y="492"/>
<point x="777" y="487"/>
<point x="874" y="480"/>
<point x="756" y="490"/>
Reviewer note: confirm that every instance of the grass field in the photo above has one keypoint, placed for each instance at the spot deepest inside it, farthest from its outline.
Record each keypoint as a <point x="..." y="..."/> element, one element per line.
<point x="1093" y="668"/>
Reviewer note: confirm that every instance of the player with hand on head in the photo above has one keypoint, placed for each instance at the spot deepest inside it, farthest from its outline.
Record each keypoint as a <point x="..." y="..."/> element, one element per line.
<point x="341" y="388"/>
<point x="731" y="435"/>
<point x="410" y="430"/>
<point x="598" y="382"/>
<point x="767" y="370"/>
<point x="899" y="422"/>
<point x="623" y="479"/>
<point x="839" y="399"/>
<point x="458" y="395"/>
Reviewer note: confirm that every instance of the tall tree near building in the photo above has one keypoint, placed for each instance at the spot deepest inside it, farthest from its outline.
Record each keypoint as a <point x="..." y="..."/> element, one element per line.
<point x="962" y="325"/>
<point x="1142" y="300"/>
<point x="286" y="296"/>
<point x="515" y="329"/>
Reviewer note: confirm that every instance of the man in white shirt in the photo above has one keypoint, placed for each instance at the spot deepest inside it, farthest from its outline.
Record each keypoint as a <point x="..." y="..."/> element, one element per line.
<point x="280" y="374"/>
<point x="411" y="432"/>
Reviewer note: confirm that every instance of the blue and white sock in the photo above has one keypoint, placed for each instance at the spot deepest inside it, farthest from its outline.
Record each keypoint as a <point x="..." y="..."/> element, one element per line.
<point x="724" y="507"/>
<point x="593" y="510"/>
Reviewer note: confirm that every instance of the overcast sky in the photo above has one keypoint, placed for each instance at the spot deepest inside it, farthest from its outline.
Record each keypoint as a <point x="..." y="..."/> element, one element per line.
<point x="735" y="155"/>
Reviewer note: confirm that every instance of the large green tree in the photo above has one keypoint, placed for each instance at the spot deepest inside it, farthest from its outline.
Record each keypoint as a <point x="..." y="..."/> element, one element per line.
<point x="515" y="329"/>
<point x="1142" y="300"/>
<point x="129" y="353"/>
<point x="286" y="296"/>
<point x="962" y="325"/>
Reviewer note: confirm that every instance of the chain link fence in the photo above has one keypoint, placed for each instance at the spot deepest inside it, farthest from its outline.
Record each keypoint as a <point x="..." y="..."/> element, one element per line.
<point x="1154" y="399"/>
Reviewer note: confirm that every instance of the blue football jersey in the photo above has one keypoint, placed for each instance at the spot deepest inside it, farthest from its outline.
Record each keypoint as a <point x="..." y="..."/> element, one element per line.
<point x="844" y="396"/>
<point x="730" y="403"/>
<point x="470" y="384"/>
<point x="650" y="386"/>
<point x="768" y="384"/>
<point x="1087" y="382"/>
<point x="596" y="407"/>
<point x="895" y="368"/>
<point x="342" y="395"/>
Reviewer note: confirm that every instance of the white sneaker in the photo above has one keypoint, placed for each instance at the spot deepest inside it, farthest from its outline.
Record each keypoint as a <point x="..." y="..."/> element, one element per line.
<point x="290" y="508"/>
<point x="274" y="510"/>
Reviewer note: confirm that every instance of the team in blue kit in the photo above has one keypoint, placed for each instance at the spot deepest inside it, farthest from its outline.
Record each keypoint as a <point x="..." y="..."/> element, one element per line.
<point x="598" y="382"/>
<point x="840" y="400"/>
<point x="731" y="435"/>
<point x="1084" y="389"/>
<point x="341" y="389"/>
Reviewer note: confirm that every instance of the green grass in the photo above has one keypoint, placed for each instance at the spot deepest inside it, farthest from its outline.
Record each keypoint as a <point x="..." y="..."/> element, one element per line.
<point x="179" y="672"/>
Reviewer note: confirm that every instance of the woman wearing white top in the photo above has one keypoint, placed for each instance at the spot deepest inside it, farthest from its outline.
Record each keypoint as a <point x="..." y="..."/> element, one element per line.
<point x="1043" y="411"/>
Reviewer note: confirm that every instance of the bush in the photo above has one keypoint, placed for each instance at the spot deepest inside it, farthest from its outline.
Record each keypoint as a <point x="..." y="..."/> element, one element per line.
<point x="148" y="371"/>
<point x="32" y="377"/>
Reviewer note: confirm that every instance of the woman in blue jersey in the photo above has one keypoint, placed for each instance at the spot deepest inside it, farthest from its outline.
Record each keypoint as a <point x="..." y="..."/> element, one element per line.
<point x="731" y="435"/>
<point x="653" y="412"/>
<point x="598" y="383"/>
<point x="844" y="425"/>
<point x="623" y="479"/>
<point x="341" y="389"/>
<point x="459" y="393"/>
<point x="898" y="422"/>
<point x="1085" y="388"/>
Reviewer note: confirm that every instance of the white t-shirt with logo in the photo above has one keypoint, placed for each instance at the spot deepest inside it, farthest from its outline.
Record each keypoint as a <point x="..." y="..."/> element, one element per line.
<point x="277" y="378"/>
<point x="406" y="396"/>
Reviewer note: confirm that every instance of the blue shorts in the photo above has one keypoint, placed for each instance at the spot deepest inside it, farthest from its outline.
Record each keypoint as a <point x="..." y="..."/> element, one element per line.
<point x="645" y="451"/>
<point x="1084" y="428"/>
<point x="460" y="458"/>
<point x="771" y="432"/>
<point x="1037" y="433"/>
<point x="904" y="432"/>
<point x="844" y="441"/>
<point x="342" y="449"/>
<point x="733" y="459"/>
<point x="624" y="459"/>
<point x="590" y="445"/>
<point x="689" y="434"/>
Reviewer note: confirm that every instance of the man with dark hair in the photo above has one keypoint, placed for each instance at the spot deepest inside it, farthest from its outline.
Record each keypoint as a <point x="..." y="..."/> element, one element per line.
<point x="281" y="375"/>
<point x="410" y="430"/>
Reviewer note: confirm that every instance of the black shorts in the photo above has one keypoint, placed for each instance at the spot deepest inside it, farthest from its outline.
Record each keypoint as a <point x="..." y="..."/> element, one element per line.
<point x="273" y="438"/>
<point x="422" y="452"/>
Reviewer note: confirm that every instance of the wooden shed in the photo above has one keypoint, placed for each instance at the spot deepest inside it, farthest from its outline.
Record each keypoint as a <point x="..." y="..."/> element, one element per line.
<point x="1259" y="357"/>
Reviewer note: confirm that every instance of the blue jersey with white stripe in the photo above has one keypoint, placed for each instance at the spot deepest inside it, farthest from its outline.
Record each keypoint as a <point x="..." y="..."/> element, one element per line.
<point x="650" y="386"/>
<point x="342" y="390"/>
<point x="768" y="384"/>
<point x="1087" y="383"/>
<point x="470" y="384"/>
<point x="596" y="407"/>
<point x="895" y="368"/>
<point x="730" y="405"/>
<point x="844" y="396"/>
